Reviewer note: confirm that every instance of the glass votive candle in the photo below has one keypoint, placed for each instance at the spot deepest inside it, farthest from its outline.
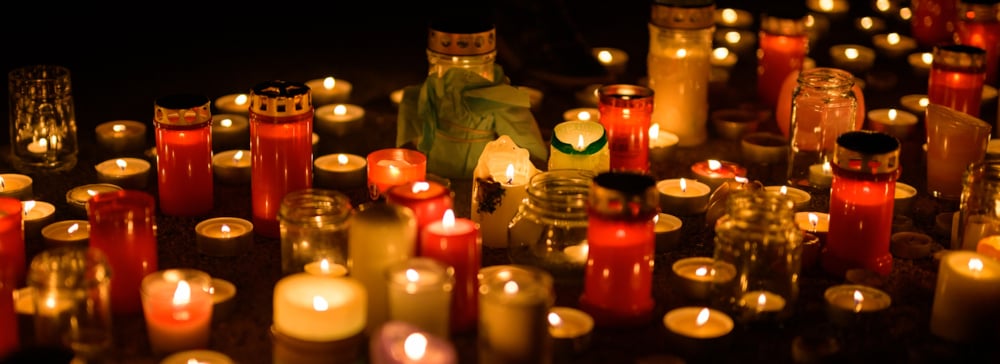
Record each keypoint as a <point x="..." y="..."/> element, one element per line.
<point x="224" y="236"/>
<point x="77" y="197"/>
<point x="339" y="119"/>
<point x="340" y="171"/>
<point x="232" y="166"/>
<point x="132" y="173"/>
<point x="16" y="185"/>
<point x="177" y="305"/>
<point x="66" y="232"/>
<point x="393" y="167"/>
<point x="121" y="136"/>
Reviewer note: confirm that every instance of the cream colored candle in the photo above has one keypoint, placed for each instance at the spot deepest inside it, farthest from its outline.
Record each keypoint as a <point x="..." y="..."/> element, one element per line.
<point x="35" y="215"/>
<point x="319" y="309"/>
<point x="921" y="62"/>
<point x="131" y="173"/>
<point x="821" y="175"/>
<point x="16" y="185"/>
<point x="579" y="145"/>
<point x="582" y="114"/>
<point x="514" y="304"/>
<point x="683" y="196"/>
<point x="760" y="302"/>
<point x="380" y="235"/>
<point x="916" y="103"/>
<point x="848" y="304"/>
<point x="238" y="104"/>
<point x="679" y="78"/>
<point x="230" y="131"/>
<point x="613" y="59"/>
<point x="198" y="357"/>
<point x="223" y="298"/>
<point x="420" y="291"/>
<point x="497" y="197"/>
<point x="898" y="123"/>
<point x="697" y="275"/>
<point x="800" y="198"/>
<point x="77" y="197"/>
<point x="570" y="329"/>
<point x="340" y="171"/>
<point x="232" y="166"/>
<point x="966" y="297"/>
<point x="66" y="232"/>
<point x="224" y="236"/>
<point x="698" y="322"/>
<point x="339" y="119"/>
<point x="121" y="136"/>
<point x="329" y="90"/>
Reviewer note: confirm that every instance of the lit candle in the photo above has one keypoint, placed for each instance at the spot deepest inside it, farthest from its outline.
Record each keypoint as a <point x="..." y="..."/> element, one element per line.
<point x="800" y="198"/>
<point x="238" y="104"/>
<point x="223" y="293"/>
<point x="381" y="235"/>
<point x="232" y="166"/>
<point x="661" y="142"/>
<point x="696" y="276"/>
<point x="420" y="291"/>
<point x="915" y="103"/>
<point x="77" y="197"/>
<point x="396" y="97"/>
<point x="230" y="131"/>
<point x="683" y="196"/>
<point x="738" y="41"/>
<point x="131" y="252"/>
<point x="894" y="45"/>
<point x="898" y="123"/>
<point x="457" y="242"/>
<point x="324" y="267"/>
<point x="613" y="59"/>
<point x="957" y="77"/>
<point x="870" y="25"/>
<point x="570" y="329"/>
<point x="816" y="223"/>
<point x="852" y="57"/>
<point x="340" y="171"/>
<point x="577" y="253"/>
<point x="124" y="172"/>
<point x="429" y="201"/>
<point x="579" y="144"/>
<point x="514" y="305"/>
<point x="722" y="57"/>
<point x="921" y="62"/>
<point x="399" y="342"/>
<point x="177" y="306"/>
<point x="339" y="119"/>
<point x="329" y="90"/>
<point x="499" y="188"/>
<point x="852" y="304"/>
<point x="966" y="297"/>
<point x="12" y="261"/>
<point x="121" y="136"/>
<point x="715" y="172"/>
<point x="733" y="18"/>
<point x="698" y="322"/>
<point x="781" y="51"/>
<point x="15" y="185"/>
<point x="183" y="127"/>
<point x="224" y="236"/>
<point x="393" y="167"/>
<point x="302" y="300"/>
<point x="758" y="303"/>
<point x="198" y="357"/>
<point x="35" y="216"/>
<point x="582" y="114"/>
<point x="667" y="228"/>
<point x="903" y="201"/>
<point x="66" y="232"/>
<point x="821" y="175"/>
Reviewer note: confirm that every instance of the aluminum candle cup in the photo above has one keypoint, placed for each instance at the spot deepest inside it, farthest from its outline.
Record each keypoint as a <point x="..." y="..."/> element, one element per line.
<point x="339" y="119"/>
<point x="224" y="236"/>
<point x="683" y="197"/>
<point x="223" y="298"/>
<point x="696" y="276"/>
<point x="733" y="124"/>
<point x="132" y="173"/>
<point x="77" y="197"/>
<point x="66" y="232"/>
<point x="16" y="185"/>
<point x="121" y="136"/>
<point x="340" y="171"/>
<point x="232" y="166"/>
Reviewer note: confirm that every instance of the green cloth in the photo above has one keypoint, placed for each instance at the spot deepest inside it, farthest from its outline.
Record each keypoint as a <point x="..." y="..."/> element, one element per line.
<point x="451" y="118"/>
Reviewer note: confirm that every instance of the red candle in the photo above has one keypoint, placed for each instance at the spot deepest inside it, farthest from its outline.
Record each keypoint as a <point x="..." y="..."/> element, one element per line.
<point x="622" y="242"/>
<point x="457" y="242"/>
<point x="625" y="114"/>
<point x="783" y="45"/>
<point x="184" y="154"/>
<point x="715" y="172"/>
<point x="428" y="199"/>
<point x="12" y="259"/>
<point x="932" y="21"/>
<point x="861" y="201"/>
<point x="957" y="76"/>
<point x="281" y="119"/>
<point x="978" y="26"/>
<point x="8" y="319"/>
<point x="177" y="306"/>
<point x="393" y="167"/>
<point x="122" y="226"/>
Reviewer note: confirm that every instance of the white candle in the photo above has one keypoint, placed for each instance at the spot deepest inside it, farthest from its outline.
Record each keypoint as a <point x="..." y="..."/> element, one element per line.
<point x="303" y="300"/>
<point x="966" y="297"/>
<point x="77" y="197"/>
<point x="698" y="322"/>
<point x="238" y="104"/>
<point x="35" y="215"/>
<point x="915" y="103"/>
<point x="697" y="275"/>
<point x="570" y="329"/>
<point x="816" y="223"/>
<point x="223" y="293"/>
<point x="380" y="235"/>
<point x="577" y="253"/>
<point x="852" y="57"/>
<point x="340" y="171"/>
<point x="821" y="175"/>
<point x="224" y="236"/>
<point x="230" y="131"/>
<point x="898" y="123"/>
<point x="733" y="18"/>
<point x="339" y="119"/>
<point x="121" y="136"/>
<point x="869" y="24"/>
<point x="66" y="232"/>
<point x="920" y="62"/>
<point x="667" y="228"/>
<point x="849" y="303"/>
<point x="759" y="302"/>
<point x="131" y="173"/>
<point x="583" y="114"/>
<point x="514" y="304"/>
<point x="499" y="198"/>
<point x="420" y="291"/>
<point x="198" y="357"/>
<point x="903" y="200"/>
<point x="15" y="185"/>
<point x="683" y="196"/>
<point x="613" y="59"/>
<point x="800" y="198"/>
<point x="232" y="166"/>
<point x="177" y="306"/>
<point x="894" y="45"/>
<point x="324" y="267"/>
<point x="660" y="139"/>
<point x="329" y="90"/>
<point x="579" y="145"/>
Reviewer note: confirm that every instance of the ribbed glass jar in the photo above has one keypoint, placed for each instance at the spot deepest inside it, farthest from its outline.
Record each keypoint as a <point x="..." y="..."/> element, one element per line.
<point x="313" y="224"/>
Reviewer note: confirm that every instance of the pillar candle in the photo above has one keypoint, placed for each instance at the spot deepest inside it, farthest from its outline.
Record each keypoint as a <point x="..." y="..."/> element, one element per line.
<point x="280" y="147"/>
<point x="428" y="199"/>
<point x="303" y="300"/>
<point x="12" y="255"/>
<point x="123" y="226"/>
<point x="184" y="154"/>
<point x="457" y="243"/>
<point x="625" y="114"/>
<point x="67" y="232"/>
<point x="514" y="304"/>
<point x="230" y="131"/>
<point x="579" y="145"/>
<point x="398" y="342"/>
<point x="496" y="200"/>
<point x="15" y="185"/>
<point x="392" y="167"/>
<point x="977" y="25"/>
<point x="966" y="297"/>
<point x="420" y="291"/>
<point x="570" y="329"/>
<point x="121" y="136"/>
<point x="177" y="306"/>
<point x="124" y="172"/>
<point x="381" y="235"/>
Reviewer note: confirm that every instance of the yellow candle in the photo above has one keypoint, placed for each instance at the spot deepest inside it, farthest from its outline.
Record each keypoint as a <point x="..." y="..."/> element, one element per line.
<point x="380" y="235"/>
<point x="303" y="300"/>
<point x="131" y="173"/>
<point x="66" y="232"/>
<point x="579" y="145"/>
<point x="966" y="297"/>
<point x="683" y="196"/>
<point x="329" y="90"/>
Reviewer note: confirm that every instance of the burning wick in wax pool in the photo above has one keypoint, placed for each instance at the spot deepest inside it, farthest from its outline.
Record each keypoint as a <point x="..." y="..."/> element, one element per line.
<point x="714" y="165"/>
<point x="858" y="300"/>
<point x="320" y="304"/>
<point x="510" y="173"/>
<point x="28" y="205"/>
<point x="814" y="220"/>
<point x="237" y="156"/>
<point x="415" y="346"/>
<point x="421" y="187"/>
<point x="579" y="142"/>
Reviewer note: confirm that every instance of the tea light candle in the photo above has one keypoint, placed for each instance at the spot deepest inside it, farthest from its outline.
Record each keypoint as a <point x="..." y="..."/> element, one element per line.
<point x="852" y="57"/>
<point x="302" y="299"/>
<point x="238" y="104"/>
<point x="570" y="329"/>
<point x="915" y="103"/>
<point x="132" y="173"/>
<point x="870" y="25"/>
<point x="821" y="175"/>
<point x="800" y="198"/>
<point x="587" y="97"/>
<point x="177" y="306"/>
<point x="224" y="236"/>
<point x="198" y="357"/>
<point x="15" y="185"/>
<point x="966" y="297"/>
<point x="910" y="245"/>
<point x="77" y="197"/>
<point x="667" y="228"/>
<point x="698" y="322"/>
<point x="121" y="136"/>
<point x="715" y="172"/>
<point x="683" y="196"/>
<point x="340" y="171"/>
<point x="816" y="223"/>
<point x="613" y="59"/>
<point x="324" y="267"/>
<point x="898" y="123"/>
<point x="850" y="304"/>
<point x="223" y="293"/>
<point x="66" y="232"/>
<point x="339" y="119"/>
<point x="35" y="216"/>
<point x="232" y="166"/>
<point x="420" y="293"/>
<point x="903" y="200"/>
<point x="696" y="275"/>
<point x="329" y="90"/>
<point x="921" y="62"/>
<point x="738" y="41"/>
<point x="733" y="18"/>
<point x="661" y="142"/>
<point x="722" y="57"/>
<point x="230" y="131"/>
<point x="393" y="167"/>
<point x="582" y="114"/>
<point x="760" y="302"/>
<point x="894" y="45"/>
<point x="831" y="7"/>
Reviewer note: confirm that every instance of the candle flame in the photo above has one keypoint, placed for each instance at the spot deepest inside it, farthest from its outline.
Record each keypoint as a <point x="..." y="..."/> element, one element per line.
<point x="892" y="38"/>
<point x="924" y="101"/>
<point x="121" y="163"/>
<point x="415" y="346"/>
<point x="741" y="180"/>
<point x="976" y="265"/>
<point x="72" y="228"/>
<point x="927" y="58"/>
<point x="320" y="304"/>
<point x="681" y="53"/>
<point x="858" y="300"/>
<point x="892" y="114"/>
<point x="3" y="184"/>
<point x="342" y="159"/>
<point x="720" y="53"/>
<point x="28" y="205"/>
<point x="826" y="168"/>
<point x="237" y="156"/>
<point x="729" y="16"/>
<point x="714" y="164"/>
<point x="867" y="23"/>
<point x="579" y="142"/>
<point x="448" y="220"/>
<point x="656" y="218"/>
<point x="510" y="173"/>
<point x="226" y="123"/>
<point x="851" y="53"/>
<point x="118" y="128"/>
<point x="732" y="37"/>
<point x="684" y="185"/>
<point x="701" y="271"/>
<point x="91" y="192"/>
<point x="826" y="5"/>
<point x="702" y="317"/>
<point x="329" y="82"/>
<point x="510" y="287"/>
<point x="50" y="302"/>
<point x="225" y="230"/>
<point x="654" y="132"/>
<point x="419" y="187"/>
<point x="554" y="319"/>
<point x="412" y="275"/>
<point x="182" y="294"/>
<point x="883" y="5"/>
<point x="241" y="99"/>
<point x="783" y="190"/>
<point x="814" y="220"/>
<point x="44" y="144"/>
<point x="340" y="109"/>
<point x="393" y="171"/>
<point x="583" y="115"/>
<point x="324" y="266"/>
<point x="605" y="56"/>
<point x="761" y="300"/>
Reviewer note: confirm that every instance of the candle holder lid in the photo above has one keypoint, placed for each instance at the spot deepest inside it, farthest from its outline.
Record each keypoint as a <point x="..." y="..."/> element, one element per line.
<point x="279" y="98"/>
<point x="683" y="14"/>
<point x="867" y="152"/>
<point x="462" y="35"/>
<point x="957" y="56"/>
<point x="182" y="110"/>
<point x="624" y="195"/>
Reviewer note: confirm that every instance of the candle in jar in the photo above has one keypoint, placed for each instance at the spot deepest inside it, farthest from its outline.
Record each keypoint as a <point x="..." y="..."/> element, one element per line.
<point x="800" y="198"/>
<point x="821" y="175"/>
<point x="183" y="128"/>
<point x="579" y="144"/>
<point x="324" y="267"/>
<point x="301" y="300"/>
<point x="198" y="357"/>
<point x="392" y="167"/>
<point x="626" y="112"/>
<point x="399" y="342"/>
<point x="232" y="166"/>
<point x="781" y="51"/>
<point x="848" y="304"/>
<point x="733" y="18"/>
<point x="66" y="232"/>
<point x="77" y="197"/>
<point x="340" y="171"/>
<point x="697" y="275"/>
<point x="582" y="114"/>
<point x="613" y="59"/>
<point x="966" y="297"/>
<point x="714" y="172"/>
<point x="230" y="131"/>
<point x="514" y="303"/>
<point x="121" y="136"/>
<point x="238" y="104"/>
<point x="429" y="201"/>
<point x="852" y="57"/>
<point x="16" y="185"/>
<point x="339" y="119"/>
<point x="224" y="236"/>
<point x="35" y="216"/>
<point x="457" y="242"/>
<point x="329" y="90"/>
<point x="957" y="78"/>
<point x="124" y="172"/>
<point x="177" y="306"/>
<point x="698" y="322"/>
<point x="497" y="199"/>
<point x="223" y="293"/>
<point x="420" y="291"/>
<point x="683" y="196"/>
<point x="894" y="45"/>
<point x="570" y="329"/>
<point x="921" y="62"/>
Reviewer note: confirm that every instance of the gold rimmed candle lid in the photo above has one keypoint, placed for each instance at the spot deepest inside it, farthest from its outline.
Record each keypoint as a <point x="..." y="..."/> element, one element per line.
<point x="279" y="98"/>
<point x="683" y="14"/>
<point x="867" y="152"/>
<point x="462" y="36"/>
<point x="182" y="110"/>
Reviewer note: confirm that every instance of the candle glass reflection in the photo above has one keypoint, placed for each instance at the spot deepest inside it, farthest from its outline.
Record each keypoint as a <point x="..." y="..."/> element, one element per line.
<point x="824" y="106"/>
<point x="979" y="207"/>
<point x="955" y="140"/>
<point x="183" y="126"/>
<point x="313" y="224"/>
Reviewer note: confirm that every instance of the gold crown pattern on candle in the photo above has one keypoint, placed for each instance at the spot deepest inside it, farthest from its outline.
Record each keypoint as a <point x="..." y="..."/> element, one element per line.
<point x="182" y="110"/>
<point x="461" y="43"/>
<point x="280" y="98"/>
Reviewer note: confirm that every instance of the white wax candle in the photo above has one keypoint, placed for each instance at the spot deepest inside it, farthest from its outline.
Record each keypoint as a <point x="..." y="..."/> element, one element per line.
<point x="513" y="312"/>
<point x="511" y="178"/>
<point x="303" y="300"/>
<point x="66" y="232"/>
<point x="683" y="196"/>
<point x="921" y="62"/>
<point x="121" y="136"/>
<point x="198" y="357"/>
<point x="238" y="104"/>
<point x="230" y="131"/>
<point x="340" y="170"/>
<point x="339" y="119"/>
<point x="895" y="122"/>
<point x="800" y="198"/>
<point x="579" y="145"/>
<point x="324" y="267"/>
<point x="821" y="175"/>
<point x="420" y="291"/>
<point x="762" y="301"/>
<point x="698" y="322"/>
<point x="697" y="275"/>
<point x="380" y="235"/>
<point x="577" y="253"/>
<point x="849" y="303"/>
<point x="569" y="323"/>
<point x="224" y="236"/>
<point x="966" y="297"/>
<point x="915" y="103"/>
<point x="329" y="90"/>
<point x="852" y="57"/>
<point x="77" y="197"/>
<point x="35" y="215"/>
<point x="903" y="199"/>
<point x="659" y="138"/>
<point x="15" y="185"/>
<point x="813" y="222"/>
<point x="223" y="293"/>
<point x="132" y="173"/>
<point x="232" y="166"/>
<point x="894" y="44"/>
<point x="582" y="114"/>
<point x="613" y="59"/>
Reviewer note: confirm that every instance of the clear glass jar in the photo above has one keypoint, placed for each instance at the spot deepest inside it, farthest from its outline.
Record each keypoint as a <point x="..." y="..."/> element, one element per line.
<point x="758" y="239"/>
<point x="824" y="106"/>
<point x="979" y="209"/>
<point x="550" y="230"/>
<point x="42" y="119"/>
<point x="313" y="224"/>
<point x="467" y="47"/>
<point x="514" y="303"/>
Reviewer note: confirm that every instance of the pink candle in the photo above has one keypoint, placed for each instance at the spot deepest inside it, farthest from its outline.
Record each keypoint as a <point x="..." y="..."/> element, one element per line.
<point x="122" y="225"/>
<point x="178" y="309"/>
<point x="11" y="243"/>
<point x="393" y="167"/>
<point x="428" y="199"/>
<point x="456" y="242"/>
<point x="398" y="342"/>
<point x="184" y="154"/>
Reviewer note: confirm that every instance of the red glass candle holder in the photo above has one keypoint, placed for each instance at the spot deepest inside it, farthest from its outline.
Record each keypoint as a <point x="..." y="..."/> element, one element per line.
<point x="782" y="48"/>
<point x="865" y="167"/>
<point x="12" y="258"/>
<point x="281" y="120"/>
<point x="123" y="227"/>
<point x="957" y="77"/>
<point x="184" y="154"/>
<point x="392" y="167"/>
<point x="932" y="21"/>
<point x="457" y="242"/>
<point x="625" y="114"/>
<point x="428" y="199"/>
<point x="978" y="25"/>
<point x="622" y="242"/>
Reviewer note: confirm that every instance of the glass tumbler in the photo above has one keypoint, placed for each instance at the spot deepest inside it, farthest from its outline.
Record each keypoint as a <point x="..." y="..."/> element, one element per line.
<point x="42" y="119"/>
<point x="979" y="209"/>
<point x="313" y="226"/>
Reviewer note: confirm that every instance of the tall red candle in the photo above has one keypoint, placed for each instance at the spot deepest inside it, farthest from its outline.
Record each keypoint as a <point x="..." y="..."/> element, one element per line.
<point x="978" y="25"/>
<point x="457" y="242"/>
<point x="865" y="167"/>
<point x="9" y="340"/>
<point x="12" y="259"/>
<point x="622" y="242"/>
<point x="123" y="227"/>
<point x="957" y="77"/>
<point x="428" y="199"/>
<point x="184" y="154"/>
<point x="932" y="21"/>
<point x="625" y="114"/>
<point x="783" y="43"/>
<point x="281" y="116"/>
